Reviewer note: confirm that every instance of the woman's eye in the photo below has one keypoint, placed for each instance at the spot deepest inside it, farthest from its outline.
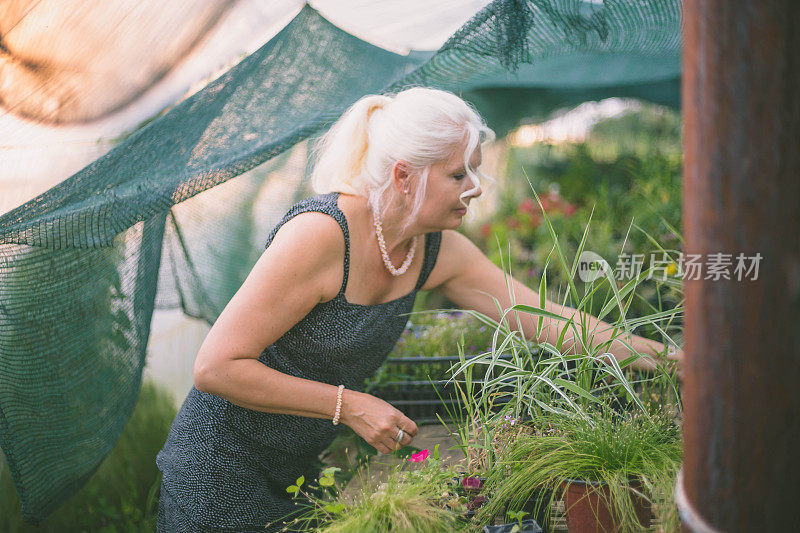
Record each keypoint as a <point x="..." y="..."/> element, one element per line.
<point x="459" y="176"/>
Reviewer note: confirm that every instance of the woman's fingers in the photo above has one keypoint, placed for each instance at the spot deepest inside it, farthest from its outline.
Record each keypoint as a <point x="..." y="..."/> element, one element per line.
<point x="390" y="443"/>
<point x="388" y="421"/>
<point x="406" y="439"/>
<point x="388" y="439"/>
<point x="407" y="425"/>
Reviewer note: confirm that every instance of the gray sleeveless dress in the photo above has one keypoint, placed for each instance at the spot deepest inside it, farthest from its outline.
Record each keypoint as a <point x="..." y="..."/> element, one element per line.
<point x="226" y="467"/>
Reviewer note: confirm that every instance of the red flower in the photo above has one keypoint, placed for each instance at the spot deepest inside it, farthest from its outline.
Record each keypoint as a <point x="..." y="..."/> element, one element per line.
<point x="486" y="230"/>
<point x="475" y="502"/>
<point x="528" y="206"/>
<point x="471" y="483"/>
<point x="419" y="457"/>
<point x="570" y="210"/>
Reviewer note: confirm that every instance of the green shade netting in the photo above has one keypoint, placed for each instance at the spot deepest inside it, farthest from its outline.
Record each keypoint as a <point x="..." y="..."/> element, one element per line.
<point x="159" y="223"/>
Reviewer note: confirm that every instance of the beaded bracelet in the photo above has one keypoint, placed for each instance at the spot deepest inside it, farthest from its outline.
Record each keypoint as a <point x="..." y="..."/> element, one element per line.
<point x="338" y="405"/>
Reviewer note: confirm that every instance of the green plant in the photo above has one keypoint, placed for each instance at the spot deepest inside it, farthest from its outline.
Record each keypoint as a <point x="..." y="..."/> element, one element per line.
<point x="410" y="499"/>
<point x="555" y="380"/>
<point x="478" y="434"/>
<point x="625" y="452"/>
<point x="517" y="517"/>
<point x="551" y="393"/>
<point x="530" y="386"/>
<point x="629" y="169"/>
<point x="349" y="452"/>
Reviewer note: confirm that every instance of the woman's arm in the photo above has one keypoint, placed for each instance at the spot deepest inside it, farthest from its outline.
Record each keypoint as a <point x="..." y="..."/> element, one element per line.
<point x="465" y="271"/>
<point x="290" y="278"/>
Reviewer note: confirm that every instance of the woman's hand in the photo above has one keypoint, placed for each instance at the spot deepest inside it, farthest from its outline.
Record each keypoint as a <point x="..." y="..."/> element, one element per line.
<point x="676" y="354"/>
<point x="376" y="421"/>
<point x="654" y="354"/>
<point x="666" y="355"/>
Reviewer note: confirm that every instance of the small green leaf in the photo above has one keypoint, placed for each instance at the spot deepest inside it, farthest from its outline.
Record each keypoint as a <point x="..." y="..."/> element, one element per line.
<point x="517" y="515"/>
<point x="436" y="452"/>
<point x="326" y="481"/>
<point x="334" y="508"/>
<point x="292" y="489"/>
<point x="300" y="480"/>
<point x="577" y="389"/>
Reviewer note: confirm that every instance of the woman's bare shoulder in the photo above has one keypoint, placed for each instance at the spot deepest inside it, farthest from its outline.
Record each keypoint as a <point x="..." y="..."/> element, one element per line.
<point x="312" y="226"/>
<point x="310" y="244"/>
<point x="297" y="271"/>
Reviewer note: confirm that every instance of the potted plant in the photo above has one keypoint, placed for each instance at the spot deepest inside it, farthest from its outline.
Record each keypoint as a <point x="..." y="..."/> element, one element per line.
<point x="566" y="418"/>
<point x="483" y="436"/>
<point x="605" y="465"/>
<point x="518" y="524"/>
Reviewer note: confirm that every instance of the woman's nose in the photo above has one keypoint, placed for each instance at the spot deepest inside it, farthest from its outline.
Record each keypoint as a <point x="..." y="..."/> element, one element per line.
<point x="474" y="191"/>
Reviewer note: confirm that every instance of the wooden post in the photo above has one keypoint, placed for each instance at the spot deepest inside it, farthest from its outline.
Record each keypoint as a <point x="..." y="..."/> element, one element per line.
<point x="741" y="105"/>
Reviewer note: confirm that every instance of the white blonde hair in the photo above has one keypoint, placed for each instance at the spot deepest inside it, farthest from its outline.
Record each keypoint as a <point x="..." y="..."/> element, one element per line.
<point x="419" y="125"/>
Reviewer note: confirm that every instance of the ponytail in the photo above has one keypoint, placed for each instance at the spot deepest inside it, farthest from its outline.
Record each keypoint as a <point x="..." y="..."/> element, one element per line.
<point x="341" y="151"/>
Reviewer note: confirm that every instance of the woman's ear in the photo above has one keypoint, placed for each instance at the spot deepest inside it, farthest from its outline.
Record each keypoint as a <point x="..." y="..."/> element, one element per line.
<point x="401" y="175"/>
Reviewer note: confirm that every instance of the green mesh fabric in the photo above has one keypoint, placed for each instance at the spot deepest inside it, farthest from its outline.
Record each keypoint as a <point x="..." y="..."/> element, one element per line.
<point x="158" y="221"/>
<point x="519" y="61"/>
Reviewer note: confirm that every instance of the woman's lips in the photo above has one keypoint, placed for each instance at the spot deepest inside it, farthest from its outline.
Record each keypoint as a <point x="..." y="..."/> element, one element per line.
<point x="461" y="211"/>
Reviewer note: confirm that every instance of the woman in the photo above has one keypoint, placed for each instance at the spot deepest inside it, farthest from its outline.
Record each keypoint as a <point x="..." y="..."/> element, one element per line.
<point x="395" y="177"/>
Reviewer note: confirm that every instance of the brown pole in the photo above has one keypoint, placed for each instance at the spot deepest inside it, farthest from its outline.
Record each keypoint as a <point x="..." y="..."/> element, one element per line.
<point x="741" y="105"/>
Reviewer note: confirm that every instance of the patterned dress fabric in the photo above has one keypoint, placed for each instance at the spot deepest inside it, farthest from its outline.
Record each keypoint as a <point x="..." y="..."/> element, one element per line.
<point x="226" y="467"/>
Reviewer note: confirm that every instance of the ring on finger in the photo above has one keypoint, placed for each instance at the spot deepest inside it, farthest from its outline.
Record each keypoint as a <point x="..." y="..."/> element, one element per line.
<point x="400" y="435"/>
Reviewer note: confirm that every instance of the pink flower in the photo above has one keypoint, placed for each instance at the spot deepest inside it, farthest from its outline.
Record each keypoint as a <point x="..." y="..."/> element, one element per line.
<point x="418" y="457"/>
<point x="528" y="206"/>
<point x="471" y="483"/>
<point x="475" y="502"/>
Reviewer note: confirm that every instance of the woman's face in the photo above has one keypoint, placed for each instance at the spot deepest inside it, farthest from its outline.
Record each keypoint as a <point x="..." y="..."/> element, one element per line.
<point x="449" y="190"/>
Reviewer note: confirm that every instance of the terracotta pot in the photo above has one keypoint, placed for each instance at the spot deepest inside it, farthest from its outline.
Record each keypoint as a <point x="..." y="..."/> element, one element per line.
<point x="588" y="511"/>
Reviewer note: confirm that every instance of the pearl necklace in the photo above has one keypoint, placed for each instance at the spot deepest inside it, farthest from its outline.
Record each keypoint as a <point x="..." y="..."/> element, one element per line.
<point x="382" y="245"/>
